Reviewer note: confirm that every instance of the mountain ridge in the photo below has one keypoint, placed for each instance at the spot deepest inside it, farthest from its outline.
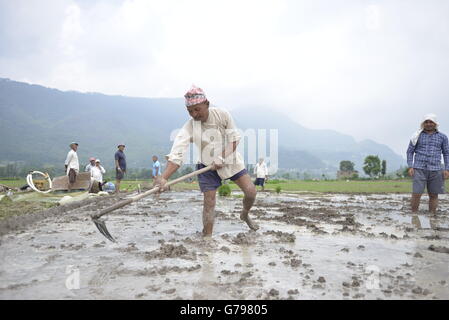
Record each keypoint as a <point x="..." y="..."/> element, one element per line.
<point x="37" y="123"/>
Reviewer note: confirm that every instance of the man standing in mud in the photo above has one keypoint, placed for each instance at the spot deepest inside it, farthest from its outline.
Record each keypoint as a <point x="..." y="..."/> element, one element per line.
<point x="72" y="166"/>
<point x="424" y="161"/>
<point x="213" y="131"/>
<point x="261" y="172"/>
<point x="120" y="166"/>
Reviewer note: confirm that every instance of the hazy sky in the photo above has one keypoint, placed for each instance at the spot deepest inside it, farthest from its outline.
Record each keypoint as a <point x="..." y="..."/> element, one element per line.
<point x="368" y="68"/>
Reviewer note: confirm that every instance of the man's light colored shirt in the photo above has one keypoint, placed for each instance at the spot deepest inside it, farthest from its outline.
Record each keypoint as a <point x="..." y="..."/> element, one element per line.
<point x="157" y="166"/>
<point x="221" y="127"/>
<point x="97" y="173"/>
<point x="261" y="170"/>
<point x="72" y="161"/>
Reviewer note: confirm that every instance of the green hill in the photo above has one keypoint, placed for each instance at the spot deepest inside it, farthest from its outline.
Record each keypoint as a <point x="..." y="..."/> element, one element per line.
<point x="38" y="123"/>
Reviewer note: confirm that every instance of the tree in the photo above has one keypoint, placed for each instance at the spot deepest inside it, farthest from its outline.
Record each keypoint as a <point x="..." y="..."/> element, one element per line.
<point x="372" y="166"/>
<point x="384" y="167"/>
<point x="346" y="166"/>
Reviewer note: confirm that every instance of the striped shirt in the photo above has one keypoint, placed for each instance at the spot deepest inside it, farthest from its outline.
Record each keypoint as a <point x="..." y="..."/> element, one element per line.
<point x="426" y="154"/>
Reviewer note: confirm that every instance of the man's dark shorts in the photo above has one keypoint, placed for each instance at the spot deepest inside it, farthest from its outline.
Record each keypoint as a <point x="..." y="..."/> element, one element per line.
<point x="210" y="180"/>
<point x="119" y="174"/>
<point x="72" y="176"/>
<point x="433" y="180"/>
<point x="259" y="182"/>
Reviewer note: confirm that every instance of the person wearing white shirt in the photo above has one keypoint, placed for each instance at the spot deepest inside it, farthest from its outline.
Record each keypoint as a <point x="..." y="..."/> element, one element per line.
<point x="261" y="172"/>
<point x="96" y="174"/>
<point x="213" y="131"/>
<point x="72" y="165"/>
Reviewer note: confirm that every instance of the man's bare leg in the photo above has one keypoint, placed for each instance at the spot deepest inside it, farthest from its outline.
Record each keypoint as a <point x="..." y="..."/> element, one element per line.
<point x="209" y="212"/>
<point x="249" y="189"/>
<point x="416" y="198"/>
<point x="117" y="186"/>
<point x="433" y="202"/>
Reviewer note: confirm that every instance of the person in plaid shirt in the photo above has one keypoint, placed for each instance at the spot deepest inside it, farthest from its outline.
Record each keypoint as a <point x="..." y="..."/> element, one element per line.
<point x="424" y="161"/>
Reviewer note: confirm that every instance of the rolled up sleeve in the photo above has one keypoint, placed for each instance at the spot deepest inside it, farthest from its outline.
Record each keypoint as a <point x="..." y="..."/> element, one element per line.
<point x="410" y="154"/>
<point x="445" y="151"/>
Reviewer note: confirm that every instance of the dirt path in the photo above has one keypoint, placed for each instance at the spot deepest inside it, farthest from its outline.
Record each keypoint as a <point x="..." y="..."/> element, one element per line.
<point x="308" y="247"/>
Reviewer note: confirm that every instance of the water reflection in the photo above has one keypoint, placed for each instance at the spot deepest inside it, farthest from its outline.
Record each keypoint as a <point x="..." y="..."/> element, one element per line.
<point x="423" y="222"/>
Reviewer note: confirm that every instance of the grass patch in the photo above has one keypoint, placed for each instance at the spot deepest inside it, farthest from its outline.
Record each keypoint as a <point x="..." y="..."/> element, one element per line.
<point x="10" y="208"/>
<point x="337" y="186"/>
<point x="331" y="186"/>
<point x="13" y="183"/>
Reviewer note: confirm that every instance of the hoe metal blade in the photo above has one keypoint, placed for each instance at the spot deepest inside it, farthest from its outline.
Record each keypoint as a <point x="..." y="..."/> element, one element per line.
<point x="101" y="226"/>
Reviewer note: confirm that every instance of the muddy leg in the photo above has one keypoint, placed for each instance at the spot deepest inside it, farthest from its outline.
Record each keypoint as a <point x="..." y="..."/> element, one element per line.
<point x="209" y="212"/>
<point x="249" y="189"/>
<point x="416" y="198"/>
<point x="433" y="202"/>
<point x="117" y="186"/>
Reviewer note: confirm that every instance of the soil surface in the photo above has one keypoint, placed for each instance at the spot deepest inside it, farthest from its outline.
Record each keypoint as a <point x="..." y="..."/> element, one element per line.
<point x="308" y="246"/>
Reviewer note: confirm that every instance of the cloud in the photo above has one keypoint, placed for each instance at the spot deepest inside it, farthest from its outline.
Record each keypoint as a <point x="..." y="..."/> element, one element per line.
<point x="370" y="69"/>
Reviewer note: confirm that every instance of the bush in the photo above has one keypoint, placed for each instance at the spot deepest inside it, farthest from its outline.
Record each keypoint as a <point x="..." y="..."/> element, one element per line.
<point x="224" y="190"/>
<point x="277" y="189"/>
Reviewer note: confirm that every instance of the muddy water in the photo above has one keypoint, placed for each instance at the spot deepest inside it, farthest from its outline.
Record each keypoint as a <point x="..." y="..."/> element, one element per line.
<point x="308" y="247"/>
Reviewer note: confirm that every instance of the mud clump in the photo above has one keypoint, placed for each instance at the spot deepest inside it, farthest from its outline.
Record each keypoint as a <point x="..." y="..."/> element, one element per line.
<point x="168" y="251"/>
<point x="295" y="263"/>
<point x="169" y="291"/>
<point x="273" y="293"/>
<point x="164" y="270"/>
<point x="355" y="283"/>
<point x="225" y="249"/>
<point x="130" y="248"/>
<point x="417" y="290"/>
<point x="438" y="249"/>
<point x="72" y="246"/>
<point x="172" y="251"/>
<point x="321" y="280"/>
<point x="244" y="238"/>
<point x="281" y="236"/>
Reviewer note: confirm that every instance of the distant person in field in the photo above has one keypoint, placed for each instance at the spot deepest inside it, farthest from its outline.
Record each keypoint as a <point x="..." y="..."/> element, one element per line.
<point x="208" y="122"/>
<point x="261" y="172"/>
<point x="156" y="167"/>
<point x="96" y="174"/>
<point x="90" y="165"/>
<point x="424" y="161"/>
<point x="120" y="166"/>
<point x="72" y="166"/>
